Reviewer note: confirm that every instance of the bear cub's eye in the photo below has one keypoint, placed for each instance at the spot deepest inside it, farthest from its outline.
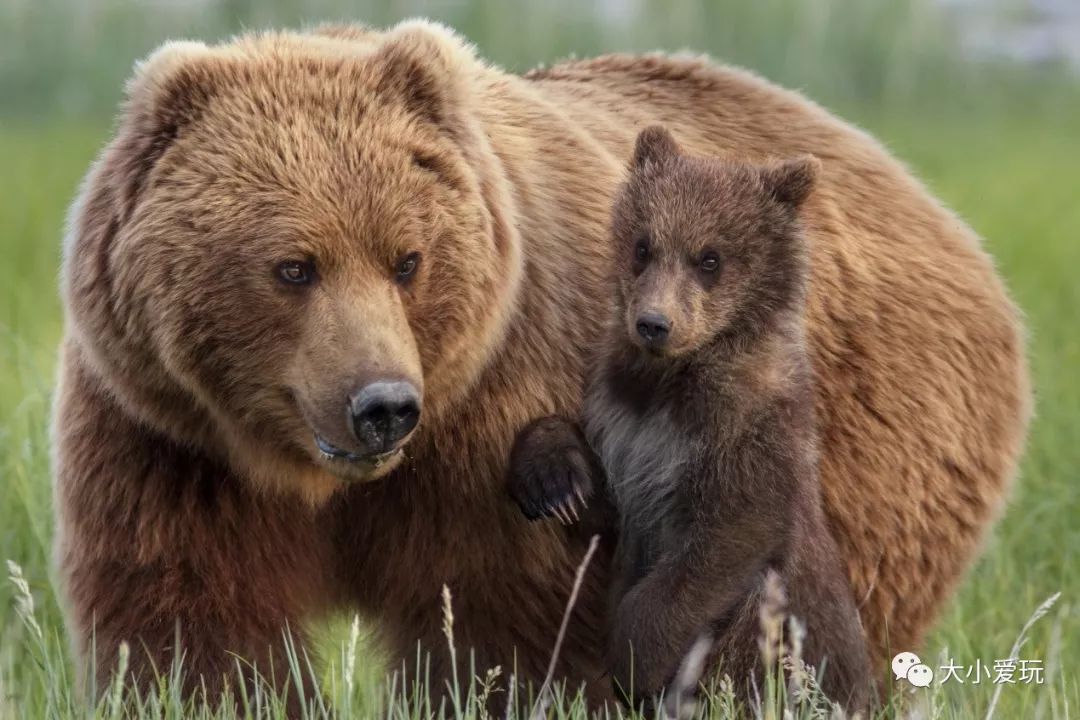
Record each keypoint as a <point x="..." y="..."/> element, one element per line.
<point x="710" y="262"/>
<point x="406" y="267"/>
<point x="641" y="249"/>
<point x="296" y="272"/>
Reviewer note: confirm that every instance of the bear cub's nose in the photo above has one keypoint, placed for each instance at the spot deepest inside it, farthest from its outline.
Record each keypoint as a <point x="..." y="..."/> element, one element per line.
<point x="654" y="328"/>
<point x="383" y="413"/>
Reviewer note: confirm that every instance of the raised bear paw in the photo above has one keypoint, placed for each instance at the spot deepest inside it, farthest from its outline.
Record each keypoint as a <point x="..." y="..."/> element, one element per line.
<point x="551" y="470"/>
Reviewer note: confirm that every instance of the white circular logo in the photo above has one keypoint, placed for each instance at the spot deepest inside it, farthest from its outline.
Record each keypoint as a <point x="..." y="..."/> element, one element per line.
<point x="920" y="675"/>
<point x="903" y="662"/>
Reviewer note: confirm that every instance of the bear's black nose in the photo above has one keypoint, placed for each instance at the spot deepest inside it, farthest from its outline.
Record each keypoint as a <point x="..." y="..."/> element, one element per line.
<point x="383" y="413"/>
<point x="654" y="327"/>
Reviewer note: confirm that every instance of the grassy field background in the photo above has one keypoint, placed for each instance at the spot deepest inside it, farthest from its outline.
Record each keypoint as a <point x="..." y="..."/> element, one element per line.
<point x="998" y="142"/>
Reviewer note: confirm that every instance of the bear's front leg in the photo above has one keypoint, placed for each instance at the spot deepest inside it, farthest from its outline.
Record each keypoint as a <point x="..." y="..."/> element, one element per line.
<point x="158" y="544"/>
<point x="551" y="470"/>
<point x="554" y="473"/>
<point x="172" y="618"/>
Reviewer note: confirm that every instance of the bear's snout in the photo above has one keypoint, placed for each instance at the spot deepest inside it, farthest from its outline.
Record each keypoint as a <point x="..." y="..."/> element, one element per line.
<point x="654" y="328"/>
<point x="383" y="413"/>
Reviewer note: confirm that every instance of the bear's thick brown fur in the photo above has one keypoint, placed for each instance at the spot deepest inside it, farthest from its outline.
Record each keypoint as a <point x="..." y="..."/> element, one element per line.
<point x="190" y="492"/>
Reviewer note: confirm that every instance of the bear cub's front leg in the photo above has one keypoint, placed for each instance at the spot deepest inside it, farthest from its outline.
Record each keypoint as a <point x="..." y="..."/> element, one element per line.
<point x="553" y="472"/>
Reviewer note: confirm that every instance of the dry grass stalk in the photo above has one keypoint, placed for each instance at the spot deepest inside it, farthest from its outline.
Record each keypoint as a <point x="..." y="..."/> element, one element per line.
<point x="543" y="699"/>
<point x="1014" y="653"/>
<point x="680" y="702"/>
<point x="771" y="614"/>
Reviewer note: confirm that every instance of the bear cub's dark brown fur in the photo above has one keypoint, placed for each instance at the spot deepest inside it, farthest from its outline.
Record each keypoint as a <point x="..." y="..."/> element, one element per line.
<point x="698" y="429"/>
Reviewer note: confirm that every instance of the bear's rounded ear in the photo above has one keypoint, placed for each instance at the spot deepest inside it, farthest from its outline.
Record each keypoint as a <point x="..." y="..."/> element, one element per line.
<point x="654" y="144"/>
<point x="427" y="67"/>
<point x="166" y="92"/>
<point x="791" y="181"/>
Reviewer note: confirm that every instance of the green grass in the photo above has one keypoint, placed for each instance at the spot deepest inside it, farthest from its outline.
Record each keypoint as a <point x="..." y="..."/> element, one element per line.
<point x="1014" y="179"/>
<point x="1013" y="174"/>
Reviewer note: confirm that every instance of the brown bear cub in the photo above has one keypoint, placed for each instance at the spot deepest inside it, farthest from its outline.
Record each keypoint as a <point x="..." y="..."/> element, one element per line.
<point x="699" y="429"/>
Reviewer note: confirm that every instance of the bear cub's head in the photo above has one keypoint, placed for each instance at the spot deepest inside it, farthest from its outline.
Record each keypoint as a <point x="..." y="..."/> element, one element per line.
<point x="707" y="248"/>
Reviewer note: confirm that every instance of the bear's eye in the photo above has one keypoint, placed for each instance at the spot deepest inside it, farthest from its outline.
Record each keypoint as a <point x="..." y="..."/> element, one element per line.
<point x="710" y="262"/>
<point x="641" y="250"/>
<point x="406" y="267"/>
<point x="296" y="272"/>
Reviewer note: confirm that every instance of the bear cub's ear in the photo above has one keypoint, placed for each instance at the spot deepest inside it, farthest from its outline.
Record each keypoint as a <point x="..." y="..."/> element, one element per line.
<point x="654" y="144"/>
<point x="791" y="181"/>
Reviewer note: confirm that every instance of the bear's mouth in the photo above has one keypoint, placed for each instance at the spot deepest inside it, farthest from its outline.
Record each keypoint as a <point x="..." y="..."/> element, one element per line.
<point x="332" y="452"/>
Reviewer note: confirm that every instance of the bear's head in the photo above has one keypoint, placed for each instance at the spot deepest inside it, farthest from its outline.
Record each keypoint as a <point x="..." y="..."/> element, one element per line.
<point x="298" y="250"/>
<point x="707" y="247"/>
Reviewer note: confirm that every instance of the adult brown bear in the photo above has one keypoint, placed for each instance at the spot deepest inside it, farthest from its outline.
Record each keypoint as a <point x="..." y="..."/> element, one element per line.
<point x="298" y="245"/>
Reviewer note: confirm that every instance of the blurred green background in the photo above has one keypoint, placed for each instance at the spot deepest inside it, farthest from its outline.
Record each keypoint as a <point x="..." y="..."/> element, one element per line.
<point x="980" y="97"/>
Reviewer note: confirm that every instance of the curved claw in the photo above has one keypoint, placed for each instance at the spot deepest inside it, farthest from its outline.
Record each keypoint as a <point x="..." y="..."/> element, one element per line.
<point x="573" y="510"/>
